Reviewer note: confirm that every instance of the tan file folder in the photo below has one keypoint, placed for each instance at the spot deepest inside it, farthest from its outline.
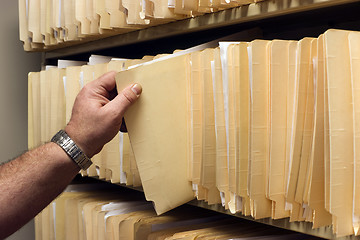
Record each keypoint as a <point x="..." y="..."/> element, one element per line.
<point x="308" y="127"/>
<point x="279" y="81"/>
<point x="57" y="95"/>
<point x="291" y="113"/>
<point x="309" y="171"/>
<point x="160" y="143"/>
<point x="258" y="51"/>
<point x="231" y="126"/>
<point x="208" y="173"/>
<point x="317" y="187"/>
<point x="133" y="12"/>
<point x="24" y="25"/>
<point x="34" y="111"/>
<point x="80" y="15"/>
<point x="70" y="23"/>
<point x="42" y="106"/>
<point x="117" y="14"/>
<point x="126" y="167"/>
<point x="222" y="176"/>
<point x="354" y="40"/>
<point x="31" y="103"/>
<point x="34" y="23"/>
<point x="134" y="169"/>
<point x="195" y="123"/>
<point x="195" y="119"/>
<point x="341" y="130"/>
<point x="72" y="88"/>
<point x="243" y="105"/>
<point x="163" y="11"/>
<point x="43" y="22"/>
<point x="301" y="89"/>
<point x="126" y="228"/>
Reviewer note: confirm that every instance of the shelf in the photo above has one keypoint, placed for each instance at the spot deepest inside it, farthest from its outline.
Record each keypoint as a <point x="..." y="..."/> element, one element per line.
<point x="226" y="21"/>
<point x="301" y="227"/>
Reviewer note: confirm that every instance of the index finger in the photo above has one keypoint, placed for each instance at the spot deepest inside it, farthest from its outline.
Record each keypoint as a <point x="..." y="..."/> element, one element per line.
<point x="106" y="81"/>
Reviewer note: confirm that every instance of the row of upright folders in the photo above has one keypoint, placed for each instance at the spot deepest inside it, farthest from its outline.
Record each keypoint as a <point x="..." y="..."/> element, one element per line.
<point x="265" y="128"/>
<point x="100" y="215"/>
<point x="51" y="24"/>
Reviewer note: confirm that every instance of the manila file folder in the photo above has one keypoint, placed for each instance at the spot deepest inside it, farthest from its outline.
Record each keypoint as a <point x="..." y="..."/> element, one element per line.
<point x="157" y="127"/>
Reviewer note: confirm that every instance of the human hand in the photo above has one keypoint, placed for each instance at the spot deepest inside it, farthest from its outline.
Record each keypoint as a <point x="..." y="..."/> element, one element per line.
<point x="98" y="111"/>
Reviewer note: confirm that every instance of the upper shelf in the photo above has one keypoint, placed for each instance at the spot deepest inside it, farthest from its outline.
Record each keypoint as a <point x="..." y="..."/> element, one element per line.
<point x="226" y="21"/>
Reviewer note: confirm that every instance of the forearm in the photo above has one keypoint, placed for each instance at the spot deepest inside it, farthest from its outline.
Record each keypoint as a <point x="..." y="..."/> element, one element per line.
<point x="30" y="182"/>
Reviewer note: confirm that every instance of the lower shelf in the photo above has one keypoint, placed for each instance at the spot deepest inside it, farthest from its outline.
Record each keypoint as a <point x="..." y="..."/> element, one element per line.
<point x="301" y="227"/>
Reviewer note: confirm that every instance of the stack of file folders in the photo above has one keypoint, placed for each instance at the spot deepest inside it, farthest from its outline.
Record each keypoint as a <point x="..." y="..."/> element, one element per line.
<point x="46" y="25"/>
<point x="100" y="215"/>
<point x="269" y="129"/>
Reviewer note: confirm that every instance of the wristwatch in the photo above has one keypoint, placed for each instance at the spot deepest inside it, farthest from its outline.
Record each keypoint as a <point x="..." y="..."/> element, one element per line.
<point x="69" y="146"/>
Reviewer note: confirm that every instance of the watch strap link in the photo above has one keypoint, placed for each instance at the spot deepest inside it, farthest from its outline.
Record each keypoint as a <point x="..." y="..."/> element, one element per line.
<point x="69" y="146"/>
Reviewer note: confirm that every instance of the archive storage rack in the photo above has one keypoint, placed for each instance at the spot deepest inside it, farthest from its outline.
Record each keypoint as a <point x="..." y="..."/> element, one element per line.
<point x="273" y="19"/>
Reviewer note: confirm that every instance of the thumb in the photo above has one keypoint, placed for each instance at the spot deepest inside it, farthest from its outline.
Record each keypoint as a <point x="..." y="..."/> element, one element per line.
<point x="124" y="99"/>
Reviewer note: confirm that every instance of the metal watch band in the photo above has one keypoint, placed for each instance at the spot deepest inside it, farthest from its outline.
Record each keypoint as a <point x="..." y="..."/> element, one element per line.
<point x="69" y="146"/>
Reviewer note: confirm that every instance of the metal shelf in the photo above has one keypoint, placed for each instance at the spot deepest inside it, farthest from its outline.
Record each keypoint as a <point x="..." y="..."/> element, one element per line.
<point x="284" y="223"/>
<point x="301" y="227"/>
<point x="236" y="17"/>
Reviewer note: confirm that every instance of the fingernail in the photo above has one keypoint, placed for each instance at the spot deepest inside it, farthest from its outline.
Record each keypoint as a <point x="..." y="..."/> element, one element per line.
<point x="137" y="89"/>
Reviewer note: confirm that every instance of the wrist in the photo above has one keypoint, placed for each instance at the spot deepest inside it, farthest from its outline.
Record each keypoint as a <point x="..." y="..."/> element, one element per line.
<point x="62" y="139"/>
<point x="78" y="139"/>
<point x="65" y="159"/>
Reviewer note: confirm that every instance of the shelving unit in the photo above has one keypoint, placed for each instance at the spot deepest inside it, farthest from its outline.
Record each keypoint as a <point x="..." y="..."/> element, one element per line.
<point x="277" y="19"/>
<point x="271" y="19"/>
